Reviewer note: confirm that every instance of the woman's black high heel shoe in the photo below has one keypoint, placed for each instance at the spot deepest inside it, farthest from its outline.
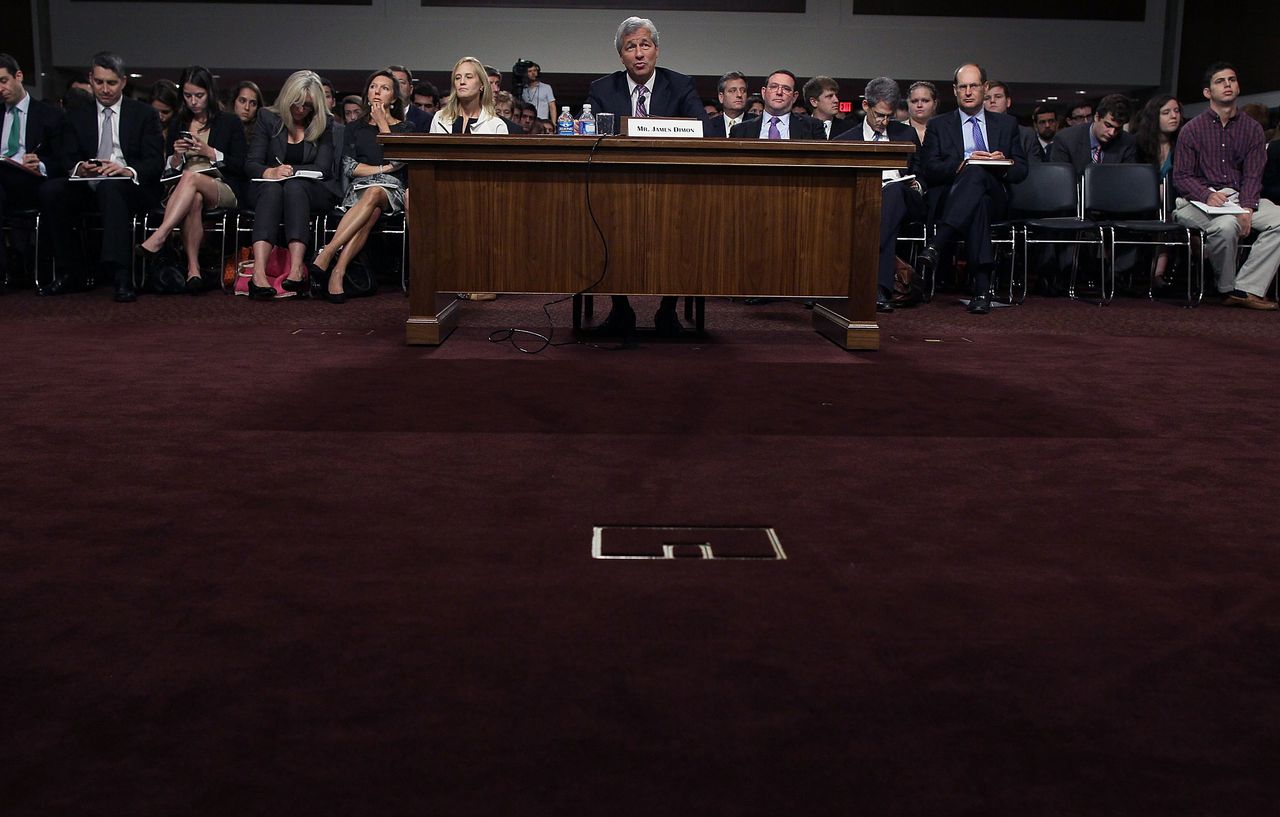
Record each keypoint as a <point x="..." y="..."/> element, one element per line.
<point x="257" y="293"/>
<point x="301" y="285"/>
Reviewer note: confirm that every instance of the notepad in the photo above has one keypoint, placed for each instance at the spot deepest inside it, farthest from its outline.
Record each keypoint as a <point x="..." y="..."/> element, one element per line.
<point x="299" y="174"/>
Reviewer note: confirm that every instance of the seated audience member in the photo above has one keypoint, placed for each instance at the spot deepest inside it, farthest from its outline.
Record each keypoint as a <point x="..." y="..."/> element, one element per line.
<point x="426" y="98"/>
<point x="778" y="121"/>
<point x="1045" y="122"/>
<point x="330" y="101"/>
<point x="970" y="197"/>
<point x="1258" y="113"/>
<point x="166" y="100"/>
<point x="922" y="101"/>
<point x="469" y="107"/>
<point x="755" y="106"/>
<point x="114" y="152"/>
<point x="247" y="103"/>
<point x="218" y="143"/>
<point x="1080" y="113"/>
<point x="504" y="106"/>
<point x="292" y="136"/>
<point x="539" y="94"/>
<point x="80" y="85"/>
<point x="902" y="113"/>
<point x="642" y="89"/>
<point x="1155" y="131"/>
<point x="419" y="118"/>
<point x="376" y="187"/>
<point x="526" y="117"/>
<point x="544" y="127"/>
<point x="75" y="98"/>
<point x="1271" y="173"/>
<point x="900" y="202"/>
<point x="1103" y="140"/>
<point x="1218" y="150"/>
<point x="999" y="100"/>
<point x="29" y="146"/>
<point x="495" y="82"/>
<point x="352" y="109"/>
<point x="732" y="93"/>
<point x="823" y="97"/>
<point x="711" y="108"/>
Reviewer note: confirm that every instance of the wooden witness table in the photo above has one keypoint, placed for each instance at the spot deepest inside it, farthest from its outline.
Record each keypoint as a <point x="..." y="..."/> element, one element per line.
<point x="681" y="217"/>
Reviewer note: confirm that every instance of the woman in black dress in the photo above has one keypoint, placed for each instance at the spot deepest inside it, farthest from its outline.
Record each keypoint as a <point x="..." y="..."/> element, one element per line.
<point x="376" y="186"/>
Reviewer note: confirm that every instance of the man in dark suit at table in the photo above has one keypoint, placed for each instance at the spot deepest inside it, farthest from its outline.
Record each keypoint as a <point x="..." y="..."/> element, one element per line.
<point x="1102" y="140"/>
<point x="28" y="145"/>
<point x="732" y="93"/>
<point x="780" y="92"/>
<point x="900" y="201"/>
<point x="969" y="196"/>
<point x="114" y="152"/>
<point x="643" y="89"/>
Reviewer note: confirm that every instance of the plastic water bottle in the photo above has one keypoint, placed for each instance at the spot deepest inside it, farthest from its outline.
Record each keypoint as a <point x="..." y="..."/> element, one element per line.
<point x="587" y="121"/>
<point x="564" y="124"/>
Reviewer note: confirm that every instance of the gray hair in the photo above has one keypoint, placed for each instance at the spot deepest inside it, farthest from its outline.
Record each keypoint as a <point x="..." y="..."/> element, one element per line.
<point x="630" y="26"/>
<point x="109" y="61"/>
<point x="882" y="89"/>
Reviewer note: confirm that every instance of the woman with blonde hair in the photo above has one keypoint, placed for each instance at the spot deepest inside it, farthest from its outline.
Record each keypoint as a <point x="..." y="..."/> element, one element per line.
<point x="469" y="108"/>
<point x="376" y="187"/>
<point x="292" y="154"/>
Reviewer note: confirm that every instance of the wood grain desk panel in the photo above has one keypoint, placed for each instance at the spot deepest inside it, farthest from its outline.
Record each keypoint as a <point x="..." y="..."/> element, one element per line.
<point x="681" y="217"/>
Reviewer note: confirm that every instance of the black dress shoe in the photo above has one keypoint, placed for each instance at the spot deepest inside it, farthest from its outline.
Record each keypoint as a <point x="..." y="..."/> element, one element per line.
<point x="257" y="293"/>
<point x="300" y="285"/>
<point x="125" y="293"/>
<point x="619" y="324"/>
<point x="979" y="305"/>
<point x="143" y="253"/>
<point x="336" y="297"/>
<point x="194" y="285"/>
<point x="666" y="324"/>
<point x="927" y="263"/>
<point x="883" y="305"/>
<point x="61" y="286"/>
<point x="759" y="301"/>
<point x="810" y="303"/>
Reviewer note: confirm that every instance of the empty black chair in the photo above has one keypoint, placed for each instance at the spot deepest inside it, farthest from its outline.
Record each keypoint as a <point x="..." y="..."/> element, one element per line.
<point x="1127" y="200"/>
<point x="1046" y="207"/>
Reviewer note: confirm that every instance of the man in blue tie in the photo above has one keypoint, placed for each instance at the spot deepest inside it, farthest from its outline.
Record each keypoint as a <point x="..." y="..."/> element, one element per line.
<point x="968" y="197"/>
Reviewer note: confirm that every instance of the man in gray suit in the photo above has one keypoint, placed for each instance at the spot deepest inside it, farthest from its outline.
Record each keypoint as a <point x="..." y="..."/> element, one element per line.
<point x="1101" y="141"/>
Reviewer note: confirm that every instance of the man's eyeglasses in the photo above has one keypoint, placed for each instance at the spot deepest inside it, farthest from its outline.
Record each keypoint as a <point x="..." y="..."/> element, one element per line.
<point x="876" y="116"/>
<point x="774" y="87"/>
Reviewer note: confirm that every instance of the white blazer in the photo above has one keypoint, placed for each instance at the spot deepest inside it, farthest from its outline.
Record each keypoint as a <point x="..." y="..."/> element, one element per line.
<point x="486" y="124"/>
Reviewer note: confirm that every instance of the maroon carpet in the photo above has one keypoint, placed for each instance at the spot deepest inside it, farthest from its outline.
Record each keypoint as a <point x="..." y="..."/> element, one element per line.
<point x="264" y="559"/>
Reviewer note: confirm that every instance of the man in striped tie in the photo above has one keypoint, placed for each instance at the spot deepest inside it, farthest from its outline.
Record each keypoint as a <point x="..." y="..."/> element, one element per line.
<point x="642" y="89"/>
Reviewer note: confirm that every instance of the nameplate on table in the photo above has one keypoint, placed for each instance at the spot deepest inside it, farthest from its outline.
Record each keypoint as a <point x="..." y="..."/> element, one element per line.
<point x="664" y="128"/>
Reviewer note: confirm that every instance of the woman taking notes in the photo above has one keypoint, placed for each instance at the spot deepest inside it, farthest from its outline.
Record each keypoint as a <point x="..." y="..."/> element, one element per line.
<point x="292" y="152"/>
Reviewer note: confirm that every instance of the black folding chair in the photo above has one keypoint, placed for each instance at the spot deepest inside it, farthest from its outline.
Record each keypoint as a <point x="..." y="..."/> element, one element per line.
<point x="1046" y="208"/>
<point x="1127" y="200"/>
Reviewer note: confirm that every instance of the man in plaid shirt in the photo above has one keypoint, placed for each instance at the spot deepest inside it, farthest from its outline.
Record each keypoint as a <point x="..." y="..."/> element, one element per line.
<point x="1221" y="151"/>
